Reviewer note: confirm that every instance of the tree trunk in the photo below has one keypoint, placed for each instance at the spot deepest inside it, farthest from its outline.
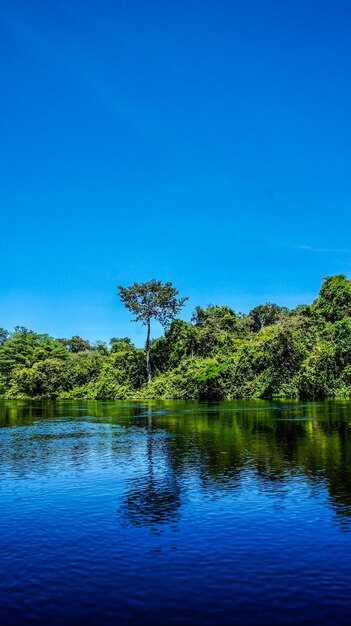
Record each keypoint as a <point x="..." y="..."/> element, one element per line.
<point x="147" y="347"/>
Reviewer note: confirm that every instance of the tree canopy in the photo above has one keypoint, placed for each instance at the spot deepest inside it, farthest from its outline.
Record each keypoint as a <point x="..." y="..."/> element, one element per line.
<point x="151" y="300"/>
<point x="220" y="353"/>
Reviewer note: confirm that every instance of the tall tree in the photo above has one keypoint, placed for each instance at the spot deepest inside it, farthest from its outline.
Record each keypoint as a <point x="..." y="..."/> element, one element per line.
<point x="151" y="300"/>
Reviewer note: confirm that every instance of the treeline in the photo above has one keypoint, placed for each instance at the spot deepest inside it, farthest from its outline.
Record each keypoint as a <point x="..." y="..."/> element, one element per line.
<point x="220" y="354"/>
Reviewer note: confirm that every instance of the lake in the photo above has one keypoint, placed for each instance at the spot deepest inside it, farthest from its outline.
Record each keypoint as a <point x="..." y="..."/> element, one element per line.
<point x="175" y="512"/>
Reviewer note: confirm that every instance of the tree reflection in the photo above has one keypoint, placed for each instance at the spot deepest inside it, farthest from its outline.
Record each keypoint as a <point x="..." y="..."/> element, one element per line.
<point x="218" y="447"/>
<point x="210" y="447"/>
<point x="154" y="497"/>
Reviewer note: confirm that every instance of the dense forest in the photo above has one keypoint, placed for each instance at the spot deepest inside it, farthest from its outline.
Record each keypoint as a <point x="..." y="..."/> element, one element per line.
<point x="220" y="354"/>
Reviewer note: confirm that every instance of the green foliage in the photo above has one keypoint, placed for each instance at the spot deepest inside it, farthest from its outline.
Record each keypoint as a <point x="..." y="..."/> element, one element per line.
<point x="266" y="315"/>
<point x="3" y="335"/>
<point x="220" y="354"/>
<point x="178" y="343"/>
<point x="44" y="379"/>
<point x="151" y="300"/>
<point x="120" y="344"/>
<point x="217" y="330"/>
<point x="76" y="344"/>
<point x="334" y="302"/>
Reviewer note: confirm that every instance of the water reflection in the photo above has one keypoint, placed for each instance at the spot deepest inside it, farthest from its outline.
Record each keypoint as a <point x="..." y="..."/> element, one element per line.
<point x="153" y="498"/>
<point x="172" y="445"/>
<point x="177" y="512"/>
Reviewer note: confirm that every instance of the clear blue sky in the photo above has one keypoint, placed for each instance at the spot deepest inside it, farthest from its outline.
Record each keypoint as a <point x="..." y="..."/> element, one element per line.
<point x="203" y="142"/>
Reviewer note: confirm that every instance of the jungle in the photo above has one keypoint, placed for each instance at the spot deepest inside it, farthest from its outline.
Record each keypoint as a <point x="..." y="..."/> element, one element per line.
<point x="271" y="351"/>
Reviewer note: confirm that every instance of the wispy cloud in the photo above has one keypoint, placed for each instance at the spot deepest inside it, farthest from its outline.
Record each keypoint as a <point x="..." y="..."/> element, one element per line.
<point x="323" y="250"/>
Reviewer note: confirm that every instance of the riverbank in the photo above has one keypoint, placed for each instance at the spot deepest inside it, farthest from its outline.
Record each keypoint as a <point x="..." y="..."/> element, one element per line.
<point x="271" y="351"/>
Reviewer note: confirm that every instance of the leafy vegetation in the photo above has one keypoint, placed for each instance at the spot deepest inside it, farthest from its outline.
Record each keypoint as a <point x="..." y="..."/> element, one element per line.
<point x="271" y="351"/>
<point x="151" y="300"/>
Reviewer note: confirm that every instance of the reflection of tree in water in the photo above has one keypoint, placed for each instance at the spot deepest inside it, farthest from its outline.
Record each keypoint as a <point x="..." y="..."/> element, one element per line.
<point x="338" y="474"/>
<point x="215" y="445"/>
<point x="311" y="441"/>
<point x="219" y="449"/>
<point x="153" y="498"/>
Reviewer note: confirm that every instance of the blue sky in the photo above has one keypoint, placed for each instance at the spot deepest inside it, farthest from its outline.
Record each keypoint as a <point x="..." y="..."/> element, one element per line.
<point x="203" y="142"/>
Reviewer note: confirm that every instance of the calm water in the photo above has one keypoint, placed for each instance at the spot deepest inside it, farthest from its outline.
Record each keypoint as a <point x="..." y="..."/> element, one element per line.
<point x="175" y="513"/>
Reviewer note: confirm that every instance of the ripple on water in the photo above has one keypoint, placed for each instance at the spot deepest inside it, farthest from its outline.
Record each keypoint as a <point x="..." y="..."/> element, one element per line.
<point x="175" y="513"/>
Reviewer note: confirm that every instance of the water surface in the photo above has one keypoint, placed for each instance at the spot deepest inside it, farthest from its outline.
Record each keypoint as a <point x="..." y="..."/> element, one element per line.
<point x="175" y="513"/>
